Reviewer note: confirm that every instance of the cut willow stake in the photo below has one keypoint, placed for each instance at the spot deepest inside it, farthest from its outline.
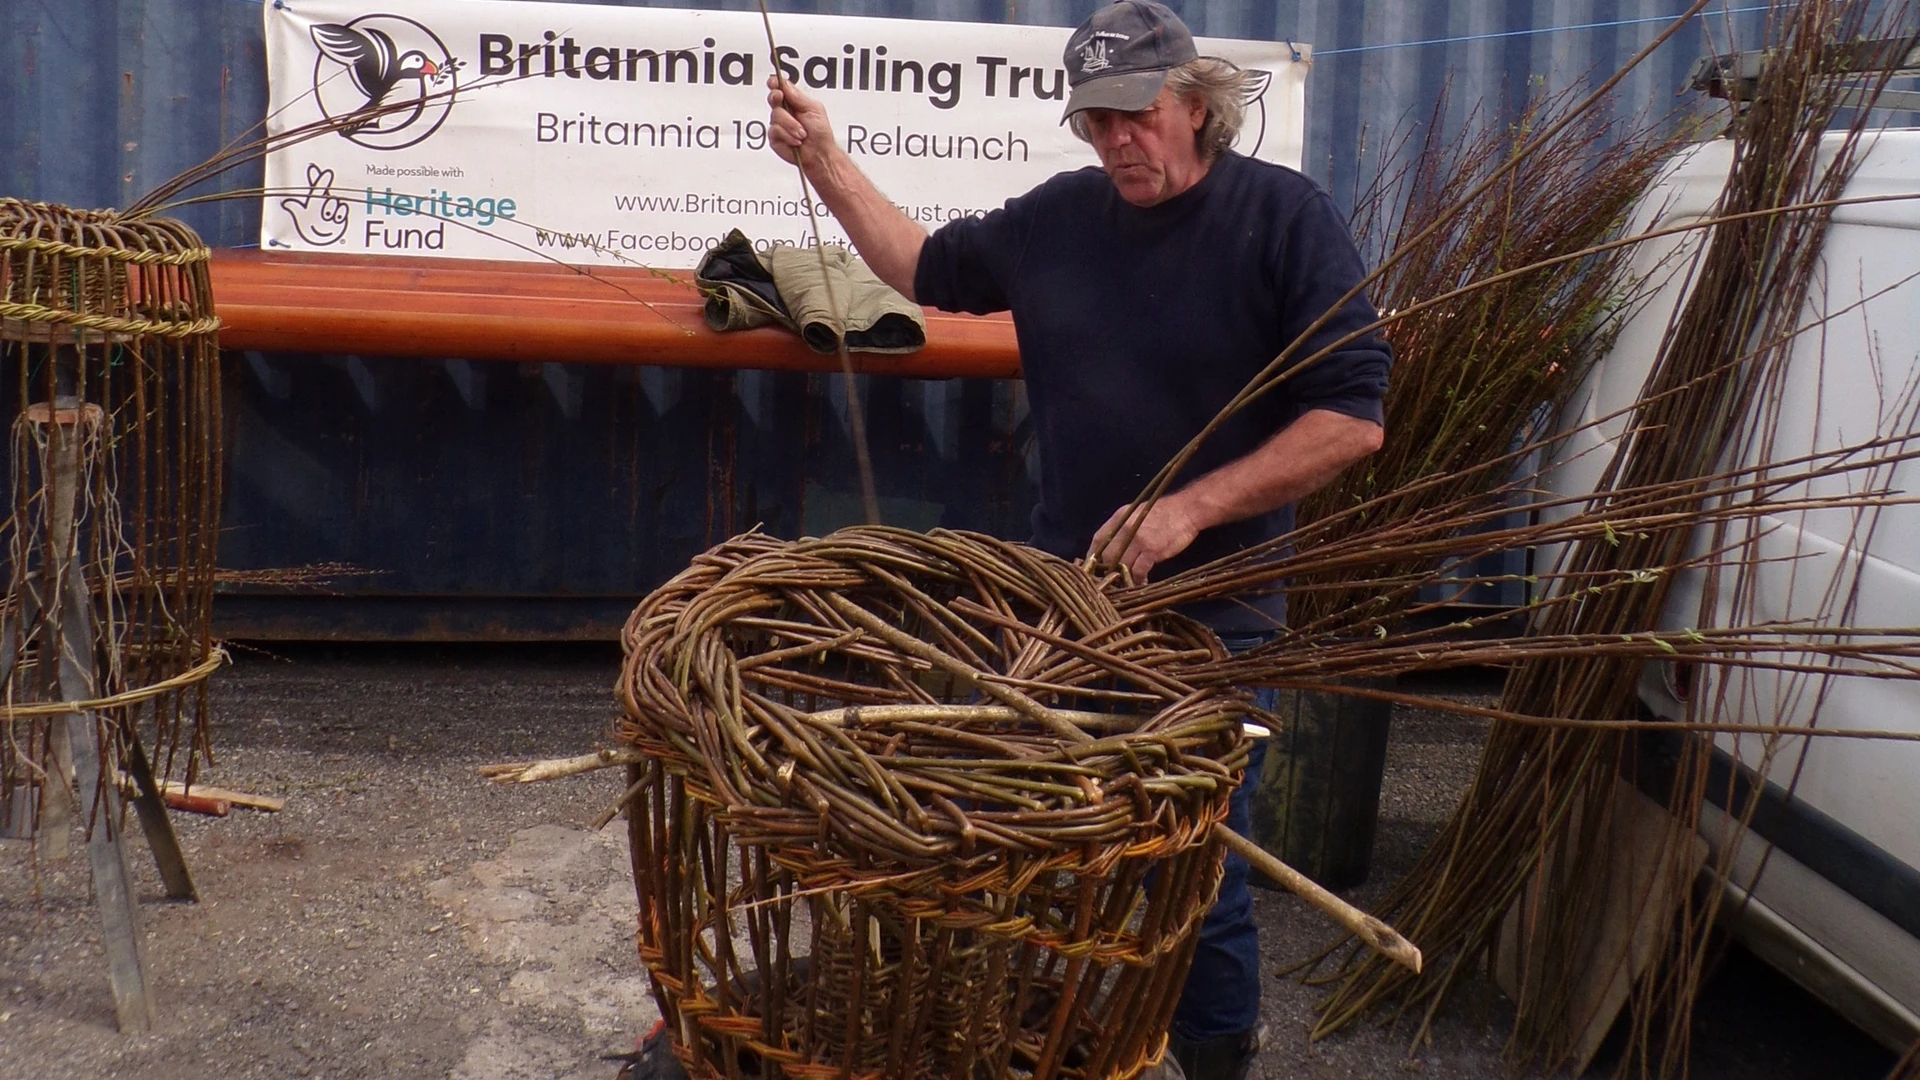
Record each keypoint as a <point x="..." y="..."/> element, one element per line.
<point x="856" y="412"/>
<point x="1379" y="936"/>
<point x="530" y="772"/>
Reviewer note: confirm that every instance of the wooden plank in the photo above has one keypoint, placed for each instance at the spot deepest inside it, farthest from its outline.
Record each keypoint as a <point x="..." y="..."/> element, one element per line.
<point x="266" y="803"/>
<point x="113" y="894"/>
<point x="57" y="815"/>
<point x="206" y="799"/>
<point x="162" y="840"/>
<point x="19" y="824"/>
<point x="120" y="929"/>
<point x="1651" y="868"/>
<point x="196" y="803"/>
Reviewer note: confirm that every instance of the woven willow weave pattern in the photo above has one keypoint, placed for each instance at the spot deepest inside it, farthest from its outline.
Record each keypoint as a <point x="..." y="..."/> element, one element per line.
<point x="108" y="343"/>
<point x="919" y="805"/>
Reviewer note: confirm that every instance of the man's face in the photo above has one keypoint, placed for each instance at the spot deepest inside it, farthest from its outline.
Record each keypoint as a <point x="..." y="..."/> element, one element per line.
<point x="1150" y="155"/>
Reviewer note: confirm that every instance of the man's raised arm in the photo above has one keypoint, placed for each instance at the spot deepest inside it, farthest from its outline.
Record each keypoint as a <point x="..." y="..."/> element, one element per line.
<point x="887" y="239"/>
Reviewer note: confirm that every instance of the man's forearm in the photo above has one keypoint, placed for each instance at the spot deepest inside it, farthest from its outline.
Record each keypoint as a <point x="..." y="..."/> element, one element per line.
<point x="887" y="239"/>
<point x="1299" y="460"/>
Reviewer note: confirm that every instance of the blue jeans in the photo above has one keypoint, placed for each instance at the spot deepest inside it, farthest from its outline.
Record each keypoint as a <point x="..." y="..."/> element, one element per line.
<point x="1222" y="994"/>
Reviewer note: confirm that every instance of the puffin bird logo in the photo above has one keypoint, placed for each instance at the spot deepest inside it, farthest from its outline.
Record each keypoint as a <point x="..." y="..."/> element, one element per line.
<point x="1256" y="94"/>
<point x="398" y="85"/>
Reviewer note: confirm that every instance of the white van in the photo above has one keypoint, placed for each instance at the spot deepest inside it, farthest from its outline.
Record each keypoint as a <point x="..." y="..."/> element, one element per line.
<point x="1827" y="887"/>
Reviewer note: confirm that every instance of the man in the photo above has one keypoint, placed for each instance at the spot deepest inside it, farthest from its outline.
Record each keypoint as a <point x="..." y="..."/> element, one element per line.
<point x="1145" y="294"/>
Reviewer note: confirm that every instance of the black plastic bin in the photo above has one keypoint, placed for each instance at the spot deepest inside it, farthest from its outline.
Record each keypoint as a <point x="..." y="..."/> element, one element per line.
<point x="1317" y="801"/>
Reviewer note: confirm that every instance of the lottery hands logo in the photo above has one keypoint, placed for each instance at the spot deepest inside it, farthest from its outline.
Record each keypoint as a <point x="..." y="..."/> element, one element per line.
<point x="387" y="80"/>
<point x="319" y="216"/>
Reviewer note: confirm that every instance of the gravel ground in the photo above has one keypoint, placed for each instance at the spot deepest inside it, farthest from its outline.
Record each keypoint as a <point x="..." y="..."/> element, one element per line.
<point x="403" y="919"/>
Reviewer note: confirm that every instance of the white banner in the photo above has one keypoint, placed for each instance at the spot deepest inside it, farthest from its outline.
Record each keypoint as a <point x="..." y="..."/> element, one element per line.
<point x="493" y="129"/>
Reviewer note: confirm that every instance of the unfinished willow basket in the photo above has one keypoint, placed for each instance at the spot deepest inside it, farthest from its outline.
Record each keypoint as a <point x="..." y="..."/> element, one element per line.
<point x="918" y="805"/>
<point x="111" y="388"/>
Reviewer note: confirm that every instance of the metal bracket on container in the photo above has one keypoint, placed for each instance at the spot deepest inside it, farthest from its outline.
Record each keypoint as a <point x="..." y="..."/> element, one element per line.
<point x="1735" y="77"/>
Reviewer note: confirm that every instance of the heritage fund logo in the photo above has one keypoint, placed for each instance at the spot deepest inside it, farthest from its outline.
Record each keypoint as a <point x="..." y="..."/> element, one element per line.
<point x="386" y="80"/>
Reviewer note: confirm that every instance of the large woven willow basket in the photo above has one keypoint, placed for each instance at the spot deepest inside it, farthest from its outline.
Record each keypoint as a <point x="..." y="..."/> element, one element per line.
<point x="918" y="805"/>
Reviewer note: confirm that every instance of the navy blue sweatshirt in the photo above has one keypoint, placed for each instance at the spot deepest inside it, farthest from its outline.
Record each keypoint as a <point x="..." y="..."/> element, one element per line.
<point x="1136" y="326"/>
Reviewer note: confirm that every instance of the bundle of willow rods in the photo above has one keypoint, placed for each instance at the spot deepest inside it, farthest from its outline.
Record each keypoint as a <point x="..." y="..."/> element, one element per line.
<point x="1538" y="805"/>
<point x="108" y="338"/>
<point x="916" y="806"/>
<point x="1471" y="374"/>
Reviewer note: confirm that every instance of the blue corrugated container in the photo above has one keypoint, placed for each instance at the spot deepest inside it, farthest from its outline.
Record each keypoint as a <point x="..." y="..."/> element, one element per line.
<point x="512" y="500"/>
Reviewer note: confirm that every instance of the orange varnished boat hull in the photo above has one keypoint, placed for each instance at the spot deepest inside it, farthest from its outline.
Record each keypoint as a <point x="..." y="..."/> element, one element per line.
<point x="539" y="312"/>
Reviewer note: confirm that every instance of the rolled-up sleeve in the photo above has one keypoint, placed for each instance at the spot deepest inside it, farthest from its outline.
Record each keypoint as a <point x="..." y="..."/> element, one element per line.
<point x="968" y="264"/>
<point x="1317" y="265"/>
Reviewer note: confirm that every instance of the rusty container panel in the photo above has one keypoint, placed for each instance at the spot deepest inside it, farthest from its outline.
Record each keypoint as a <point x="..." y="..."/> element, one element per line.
<point x="502" y="500"/>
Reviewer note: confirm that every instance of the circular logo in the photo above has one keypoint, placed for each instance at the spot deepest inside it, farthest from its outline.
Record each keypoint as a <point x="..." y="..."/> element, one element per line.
<point x="1255" y="93"/>
<point x="385" y="80"/>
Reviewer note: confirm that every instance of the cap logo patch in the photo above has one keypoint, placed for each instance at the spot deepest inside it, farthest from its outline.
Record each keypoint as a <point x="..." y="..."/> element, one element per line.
<point x="1093" y="54"/>
<point x="1142" y="39"/>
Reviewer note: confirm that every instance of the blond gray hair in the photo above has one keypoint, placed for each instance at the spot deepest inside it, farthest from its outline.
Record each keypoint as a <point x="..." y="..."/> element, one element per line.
<point x="1220" y="84"/>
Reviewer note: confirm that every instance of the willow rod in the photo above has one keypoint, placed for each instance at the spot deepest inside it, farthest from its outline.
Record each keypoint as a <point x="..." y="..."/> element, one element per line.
<point x="1382" y="938"/>
<point x="856" y="415"/>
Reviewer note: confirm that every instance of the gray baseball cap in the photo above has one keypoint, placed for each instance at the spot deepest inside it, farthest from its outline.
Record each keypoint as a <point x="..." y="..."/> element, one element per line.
<point x="1119" y="58"/>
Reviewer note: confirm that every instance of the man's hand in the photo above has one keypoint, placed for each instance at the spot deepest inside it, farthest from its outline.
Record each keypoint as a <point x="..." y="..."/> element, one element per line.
<point x="1300" y="459"/>
<point x="1166" y="531"/>
<point x="798" y="129"/>
<point x="797" y="122"/>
